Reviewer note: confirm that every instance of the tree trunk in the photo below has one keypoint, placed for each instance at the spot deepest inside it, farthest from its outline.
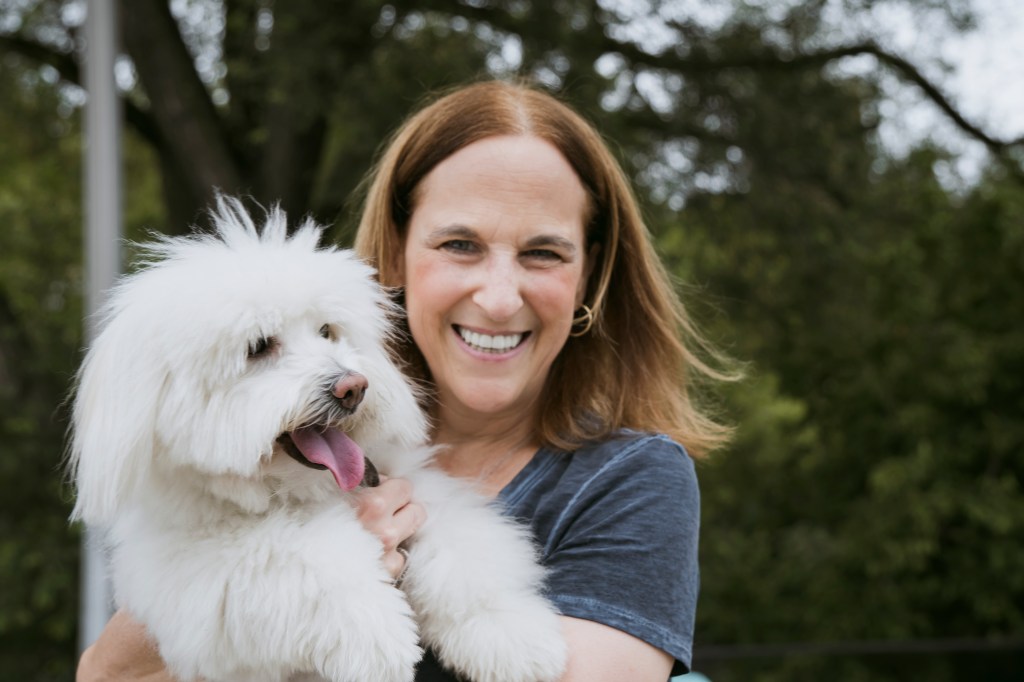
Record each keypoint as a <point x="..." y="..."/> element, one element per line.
<point x="197" y="157"/>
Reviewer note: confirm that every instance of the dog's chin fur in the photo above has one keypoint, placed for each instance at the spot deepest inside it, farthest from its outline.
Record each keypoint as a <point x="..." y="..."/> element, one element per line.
<point x="240" y="561"/>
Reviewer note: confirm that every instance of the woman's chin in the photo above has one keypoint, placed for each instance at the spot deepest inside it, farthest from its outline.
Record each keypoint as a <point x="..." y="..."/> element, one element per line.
<point x="487" y="399"/>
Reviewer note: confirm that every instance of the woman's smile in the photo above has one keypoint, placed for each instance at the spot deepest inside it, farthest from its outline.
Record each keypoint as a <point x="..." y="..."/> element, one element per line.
<point x="491" y="345"/>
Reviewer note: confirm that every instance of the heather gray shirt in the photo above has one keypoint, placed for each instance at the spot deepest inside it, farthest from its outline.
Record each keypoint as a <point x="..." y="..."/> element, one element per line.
<point x="617" y="524"/>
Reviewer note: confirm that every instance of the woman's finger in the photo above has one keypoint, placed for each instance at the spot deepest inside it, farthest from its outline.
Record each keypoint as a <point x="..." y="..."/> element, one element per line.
<point x="395" y="530"/>
<point x="378" y="504"/>
<point x="405" y="523"/>
<point x="389" y="512"/>
<point x="395" y="562"/>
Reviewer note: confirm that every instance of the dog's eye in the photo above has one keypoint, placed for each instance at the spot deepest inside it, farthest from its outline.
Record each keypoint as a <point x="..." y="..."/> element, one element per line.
<point x="327" y="332"/>
<point x="261" y="347"/>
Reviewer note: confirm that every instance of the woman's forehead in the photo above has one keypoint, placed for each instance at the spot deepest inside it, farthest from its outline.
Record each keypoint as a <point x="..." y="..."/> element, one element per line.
<point x="503" y="177"/>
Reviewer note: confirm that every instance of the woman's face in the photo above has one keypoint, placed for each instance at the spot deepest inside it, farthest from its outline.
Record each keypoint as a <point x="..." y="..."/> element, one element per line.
<point x="495" y="263"/>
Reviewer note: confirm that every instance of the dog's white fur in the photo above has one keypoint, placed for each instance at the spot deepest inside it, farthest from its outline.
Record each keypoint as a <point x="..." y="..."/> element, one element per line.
<point x="241" y="562"/>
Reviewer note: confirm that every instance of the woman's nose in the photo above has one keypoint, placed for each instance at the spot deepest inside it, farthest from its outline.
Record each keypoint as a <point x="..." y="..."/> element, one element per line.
<point x="498" y="293"/>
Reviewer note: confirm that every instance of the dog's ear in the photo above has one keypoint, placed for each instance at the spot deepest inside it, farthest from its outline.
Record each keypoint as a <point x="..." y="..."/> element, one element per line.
<point x="116" y="394"/>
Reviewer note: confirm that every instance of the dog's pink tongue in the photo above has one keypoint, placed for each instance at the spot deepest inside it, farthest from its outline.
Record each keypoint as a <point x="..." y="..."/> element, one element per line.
<point x="334" y="450"/>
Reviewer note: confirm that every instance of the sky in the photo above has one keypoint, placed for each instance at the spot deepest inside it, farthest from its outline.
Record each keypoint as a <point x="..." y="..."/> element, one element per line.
<point x="989" y="62"/>
<point x="985" y="80"/>
<point x="981" y="71"/>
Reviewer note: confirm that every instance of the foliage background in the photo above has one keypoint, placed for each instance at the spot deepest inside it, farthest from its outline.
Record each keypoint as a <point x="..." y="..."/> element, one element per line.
<point x="867" y="521"/>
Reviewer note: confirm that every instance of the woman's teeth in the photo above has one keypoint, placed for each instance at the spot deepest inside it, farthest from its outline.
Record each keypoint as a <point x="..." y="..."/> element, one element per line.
<point x="490" y="344"/>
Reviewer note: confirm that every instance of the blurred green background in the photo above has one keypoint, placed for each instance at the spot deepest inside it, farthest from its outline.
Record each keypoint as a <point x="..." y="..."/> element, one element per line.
<point x="867" y="522"/>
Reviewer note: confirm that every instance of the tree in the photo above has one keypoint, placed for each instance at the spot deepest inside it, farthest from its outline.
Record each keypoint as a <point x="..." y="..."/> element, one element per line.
<point x="258" y="106"/>
<point x="39" y="311"/>
<point x="40" y="338"/>
<point x="876" y="430"/>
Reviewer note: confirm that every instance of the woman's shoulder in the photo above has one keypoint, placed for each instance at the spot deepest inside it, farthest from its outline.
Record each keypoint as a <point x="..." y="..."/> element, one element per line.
<point x="617" y="524"/>
<point x="625" y="465"/>
<point x="634" y="456"/>
<point x="626" y="444"/>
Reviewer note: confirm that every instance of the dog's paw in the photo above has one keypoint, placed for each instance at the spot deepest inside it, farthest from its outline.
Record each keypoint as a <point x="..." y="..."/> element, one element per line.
<point x="518" y="641"/>
<point x="391" y="664"/>
<point x="383" y="647"/>
<point x="379" y="668"/>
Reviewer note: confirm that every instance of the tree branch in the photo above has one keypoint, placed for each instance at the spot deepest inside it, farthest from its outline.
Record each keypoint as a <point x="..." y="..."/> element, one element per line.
<point x="702" y="63"/>
<point x="706" y="64"/>
<point x="933" y="93"/>
<point x="63" y="62"/>
<point x="70" y="72"/>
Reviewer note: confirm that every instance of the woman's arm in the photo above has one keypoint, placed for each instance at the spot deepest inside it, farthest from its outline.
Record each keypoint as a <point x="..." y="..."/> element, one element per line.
<point x="124" y="651"/>
<point x="598" y="653"/>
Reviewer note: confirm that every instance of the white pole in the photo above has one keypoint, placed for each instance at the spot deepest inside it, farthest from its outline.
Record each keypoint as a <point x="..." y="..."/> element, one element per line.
<point x="102" y="197"/>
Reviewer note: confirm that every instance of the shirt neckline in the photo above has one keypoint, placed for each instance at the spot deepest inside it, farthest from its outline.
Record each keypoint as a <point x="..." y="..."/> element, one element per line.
<point x="515" y="488"/>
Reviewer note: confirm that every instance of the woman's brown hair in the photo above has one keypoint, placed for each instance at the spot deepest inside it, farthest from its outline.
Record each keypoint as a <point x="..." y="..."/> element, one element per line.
<point x="636" y="367"/>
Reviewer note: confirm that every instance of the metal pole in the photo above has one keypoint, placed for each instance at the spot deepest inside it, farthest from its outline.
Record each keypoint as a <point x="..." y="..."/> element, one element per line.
<point x="102" y="197"/>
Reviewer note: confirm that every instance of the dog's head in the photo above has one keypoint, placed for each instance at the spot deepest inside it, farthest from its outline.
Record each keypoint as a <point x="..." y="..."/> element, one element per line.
<point x="226" y="351"/>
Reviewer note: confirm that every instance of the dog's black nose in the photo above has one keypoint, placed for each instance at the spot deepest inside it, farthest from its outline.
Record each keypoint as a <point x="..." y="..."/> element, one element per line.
<point x="350" y="389"/>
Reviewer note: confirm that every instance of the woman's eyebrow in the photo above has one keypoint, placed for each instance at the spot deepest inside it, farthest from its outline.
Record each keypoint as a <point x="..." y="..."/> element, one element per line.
<point x="453" y="232"/>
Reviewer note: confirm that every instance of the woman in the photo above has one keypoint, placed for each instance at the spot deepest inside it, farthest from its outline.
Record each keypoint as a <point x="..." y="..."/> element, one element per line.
<point x="558" y="365"/>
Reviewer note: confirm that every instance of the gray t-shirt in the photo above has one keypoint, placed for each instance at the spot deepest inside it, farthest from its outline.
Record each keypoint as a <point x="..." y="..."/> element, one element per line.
<point x="616" y="523"/>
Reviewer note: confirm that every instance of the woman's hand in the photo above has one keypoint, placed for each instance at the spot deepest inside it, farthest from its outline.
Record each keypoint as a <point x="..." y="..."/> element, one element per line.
<point x="123" y="652"/>
<point x="389" y="512"/>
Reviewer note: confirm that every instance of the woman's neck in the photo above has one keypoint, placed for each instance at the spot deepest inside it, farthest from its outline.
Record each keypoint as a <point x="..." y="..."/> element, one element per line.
<point x="488" y="451"/>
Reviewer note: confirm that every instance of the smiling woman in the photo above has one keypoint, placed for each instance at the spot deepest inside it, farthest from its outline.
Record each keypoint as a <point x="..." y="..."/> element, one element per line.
<point x="643" y="357"/>
<point x="557" y="361"/>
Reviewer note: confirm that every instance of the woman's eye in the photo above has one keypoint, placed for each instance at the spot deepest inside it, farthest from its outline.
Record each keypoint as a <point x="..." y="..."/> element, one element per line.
<point x="459" y="246"/>
<point x="543" y="254"/>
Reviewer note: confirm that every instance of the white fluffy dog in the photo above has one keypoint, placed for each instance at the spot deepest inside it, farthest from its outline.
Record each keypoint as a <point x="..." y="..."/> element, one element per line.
<point x="220" y="419"/>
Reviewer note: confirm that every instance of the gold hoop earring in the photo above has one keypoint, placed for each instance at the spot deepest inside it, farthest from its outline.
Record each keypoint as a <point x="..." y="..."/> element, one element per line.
<point x="585" y="318"/>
